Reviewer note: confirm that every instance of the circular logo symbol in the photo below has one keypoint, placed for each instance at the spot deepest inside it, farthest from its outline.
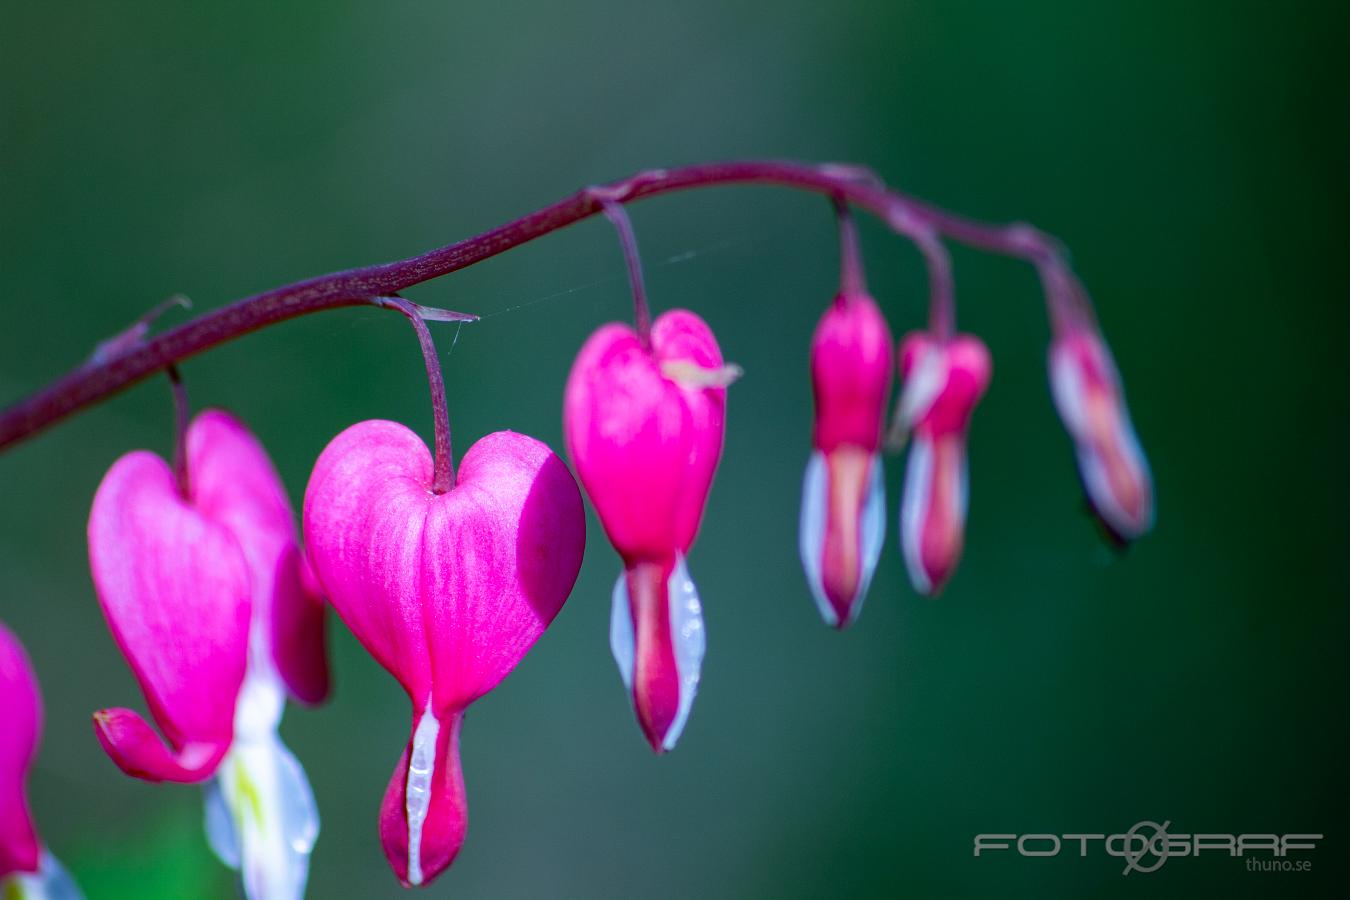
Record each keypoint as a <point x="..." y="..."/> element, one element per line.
<point x="1139" y="845"/>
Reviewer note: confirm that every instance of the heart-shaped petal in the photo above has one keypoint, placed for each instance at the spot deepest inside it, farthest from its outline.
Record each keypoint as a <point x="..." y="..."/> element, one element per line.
<point x="447" y="591"/>
<point x="174" y="586"/>
<point x="644" y="434"/>
<point x="233" y="482"/>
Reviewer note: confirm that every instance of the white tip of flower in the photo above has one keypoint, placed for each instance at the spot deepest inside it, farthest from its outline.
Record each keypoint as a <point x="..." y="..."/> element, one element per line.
<point x="421" y="768"/>
<point x="813" y="523"/>
<point x="688" y="636"/>
<point x="50" y="882"/>
<point x="261" y="818"/>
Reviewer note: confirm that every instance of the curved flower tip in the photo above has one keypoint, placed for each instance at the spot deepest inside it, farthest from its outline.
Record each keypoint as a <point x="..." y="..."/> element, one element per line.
<point x="1091" y="403"/>
<point x="447" y="591"/>
<point x="233" y="482"/>
<point x="20" y="731"/>
<point x="131" y="743"/>
<point x="175" y="589"/>
<point x="644" y="427"/>
<point x="943" y="380"/>
<point x="843" y="519"/>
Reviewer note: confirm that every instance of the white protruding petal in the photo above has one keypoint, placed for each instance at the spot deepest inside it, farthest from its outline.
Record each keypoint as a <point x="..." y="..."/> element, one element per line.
<point x="687" y="631"/>
<point x="811" y="534"/>
<point x="622" y="642"/>
<point x="914" y="505"/>
<point x="222" y="834"/>
<point x="260" y="813"/>
<point x="421" y="767"/>
<point x="50" y="882"/>
<point x="922" y="386"/>
<point x="873" y="531"/>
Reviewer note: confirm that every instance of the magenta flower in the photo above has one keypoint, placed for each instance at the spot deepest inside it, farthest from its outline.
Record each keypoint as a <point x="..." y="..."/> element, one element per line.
<point x="644" y="426"/>
<point x="27" y="870"/>
<point x="205" y="590"/>
<point x="1091" y="403"/>
<point x="843" y="520"/>
<point x="942" y="381"/>
<point x="447" y="591"/>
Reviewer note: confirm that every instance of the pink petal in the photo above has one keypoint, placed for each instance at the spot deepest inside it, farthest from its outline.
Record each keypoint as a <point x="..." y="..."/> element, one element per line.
<point x="933" y="510"/>
<point x="646" y="445"/>
<point x="174" y="587"/>
<point x="850" y="374"/>
<point x="233" y="482"/>
<point x="842" y="529"/>
<point x="20" y="730"/>
<point x="138" y="751"/>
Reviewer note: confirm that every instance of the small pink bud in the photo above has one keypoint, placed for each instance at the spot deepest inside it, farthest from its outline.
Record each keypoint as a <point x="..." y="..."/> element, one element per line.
<point x="447" y="591"/>
<point x="843" y="519"/>
<point x="1091" y="403"/>
<point x="942" y="382"/>
<point x="644" y="429"/>
<point x="20" y="730"/>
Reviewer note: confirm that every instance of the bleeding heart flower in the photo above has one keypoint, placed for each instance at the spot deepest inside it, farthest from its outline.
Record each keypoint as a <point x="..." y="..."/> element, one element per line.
<point x="447" y="591"/>
<point x="1111" y="463"/>
<point x="644" y="427"/>
<point x="942" y="381"/>
<point x="843" y="520"/>
<point x="207" y="595"/>
<point x="27" y="870"/>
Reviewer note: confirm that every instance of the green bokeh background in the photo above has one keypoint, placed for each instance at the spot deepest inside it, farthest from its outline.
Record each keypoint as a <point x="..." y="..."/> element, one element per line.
<point x="1193" y="157"/>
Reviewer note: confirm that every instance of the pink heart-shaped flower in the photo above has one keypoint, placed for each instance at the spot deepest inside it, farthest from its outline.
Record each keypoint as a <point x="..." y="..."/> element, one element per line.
<point x="644" y="427"/>
<point x="175" y="588"/>
<point x="447" y="591"/>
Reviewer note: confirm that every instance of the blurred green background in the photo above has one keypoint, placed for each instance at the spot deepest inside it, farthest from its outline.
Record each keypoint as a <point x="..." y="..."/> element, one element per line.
<point x="1193" y="156"/>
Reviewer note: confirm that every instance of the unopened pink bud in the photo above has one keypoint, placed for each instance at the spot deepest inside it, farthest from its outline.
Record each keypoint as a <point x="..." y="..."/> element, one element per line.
<point x="644" y="429"/>
<point x="843" y="519"/>
<point x="1091" y="403"/>
<point x="942" y="382"/>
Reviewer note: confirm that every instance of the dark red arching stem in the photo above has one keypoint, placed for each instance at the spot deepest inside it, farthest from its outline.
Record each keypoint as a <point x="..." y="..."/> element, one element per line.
<point x="852" y="280"/>
<point x="182" y="411"/>
<point x="941" y="285"/>
<point x="99" y="378"/>
<point x="444" y="477"/>
<point x="642" y="314"/>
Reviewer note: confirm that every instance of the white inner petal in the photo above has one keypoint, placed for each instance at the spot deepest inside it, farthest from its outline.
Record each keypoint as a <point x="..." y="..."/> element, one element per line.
<point x="686" y="628"/>
<point x="421" y="768"/>
<point x="50" y="882"/>
<point x="811" y="534"/>
<point x="873" y="531"/>
<point x="913" y="510"/>
<point x="621" y="639"/>
<point x="260" y="812"/>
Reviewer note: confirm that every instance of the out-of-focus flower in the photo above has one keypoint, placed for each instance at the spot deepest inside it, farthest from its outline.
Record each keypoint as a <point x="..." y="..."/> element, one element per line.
<point x="1091" y="403"/>
<point x="27" y="870"/>
<point x="447" y="591"/>
<point x="843" y="518"/>
<point x="942" y="381"/>
<point x="206" y="593"/>
<point x="644" y="424"/>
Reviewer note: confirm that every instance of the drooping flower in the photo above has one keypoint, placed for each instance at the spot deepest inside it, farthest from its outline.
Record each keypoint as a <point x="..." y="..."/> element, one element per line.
<point x="28" y="871"/>
<point x="1091" y="403"/>
<point x="447" y="591"/>
<point x="643" y="425"/>
<point x="843" y="519"/>
<point x="207" y="595"/>
<point x="942" y="382"/>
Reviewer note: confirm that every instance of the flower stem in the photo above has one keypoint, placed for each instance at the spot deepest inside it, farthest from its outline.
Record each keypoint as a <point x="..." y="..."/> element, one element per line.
<point x="444" y="477"/>
<point x="852" y="281"/>
<point x="94" y="381"/>
<point x="182" y="411"/>
<point x="642" y="314"/>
